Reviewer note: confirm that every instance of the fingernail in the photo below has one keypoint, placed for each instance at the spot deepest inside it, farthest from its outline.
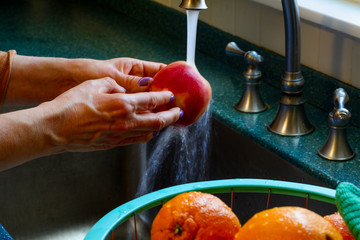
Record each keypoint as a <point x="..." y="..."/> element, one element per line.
<point x="123" y="89"/>
<point x="181" y="113"/>
<point x="144" y="81"/>
<point x="156" y="133"/>
<point x="172" y="97"/>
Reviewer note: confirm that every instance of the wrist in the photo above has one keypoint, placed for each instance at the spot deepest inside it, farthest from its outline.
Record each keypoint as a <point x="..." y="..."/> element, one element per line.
<point x="6" y="60"/>
<point x="49" y="120"/>
<point x="83" y="69"/>
<point x="24" y="137"/>
<point x="37" y="79"/>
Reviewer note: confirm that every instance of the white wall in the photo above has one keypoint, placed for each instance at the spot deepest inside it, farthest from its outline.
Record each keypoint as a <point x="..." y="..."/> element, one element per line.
<point x="325" y="50"/>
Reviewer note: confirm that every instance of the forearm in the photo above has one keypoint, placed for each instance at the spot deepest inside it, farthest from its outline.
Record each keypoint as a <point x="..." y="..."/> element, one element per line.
<point x="23" y="137"/>
<point x="37" y="79"/>
<point x="34" y="80"/>
<point x="95" y="115"/>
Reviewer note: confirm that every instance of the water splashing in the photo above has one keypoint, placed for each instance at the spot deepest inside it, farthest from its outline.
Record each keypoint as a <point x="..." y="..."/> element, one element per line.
<point x="178" y="156"/>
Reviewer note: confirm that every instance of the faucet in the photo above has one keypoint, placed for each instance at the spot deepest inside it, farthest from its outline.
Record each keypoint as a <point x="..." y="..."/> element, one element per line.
<point x="251" y="101"/>
<point x="337" y="146"/>
<point x="193" y="4"/>
<point x="290" y="118"/>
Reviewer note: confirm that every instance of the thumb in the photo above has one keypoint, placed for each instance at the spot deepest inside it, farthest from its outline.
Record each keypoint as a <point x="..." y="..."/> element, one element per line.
<point x="111" y="86"/>
<point x="134" y="83"/>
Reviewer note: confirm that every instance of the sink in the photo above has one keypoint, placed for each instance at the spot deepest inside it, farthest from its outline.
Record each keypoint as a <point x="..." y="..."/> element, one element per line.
<point x="234" y="156"/>
<point x="62" y="196"/>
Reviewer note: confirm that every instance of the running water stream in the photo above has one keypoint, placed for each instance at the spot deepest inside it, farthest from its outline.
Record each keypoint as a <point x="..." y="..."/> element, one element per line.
<point x="192" y="19"/>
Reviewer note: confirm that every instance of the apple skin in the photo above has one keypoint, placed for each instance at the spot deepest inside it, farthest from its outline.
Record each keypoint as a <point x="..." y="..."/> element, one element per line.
<point x="338" y="222"/>
<point x="191" y="90"/>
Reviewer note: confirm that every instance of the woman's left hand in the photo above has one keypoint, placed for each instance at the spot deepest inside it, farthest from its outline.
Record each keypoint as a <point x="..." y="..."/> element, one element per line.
<point x="133" y="74"/>
<point x="34" y="80"/>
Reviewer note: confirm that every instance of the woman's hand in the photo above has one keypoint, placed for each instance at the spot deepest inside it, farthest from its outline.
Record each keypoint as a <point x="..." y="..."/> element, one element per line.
<point x="94" y="115"/>
<point x="97" y="114"/>
<point x="37" y="79"/>
<point x="132" y="74"/>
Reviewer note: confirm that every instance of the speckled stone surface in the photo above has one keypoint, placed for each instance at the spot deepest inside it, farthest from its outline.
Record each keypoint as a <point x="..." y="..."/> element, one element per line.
<point x="146" y="30"/>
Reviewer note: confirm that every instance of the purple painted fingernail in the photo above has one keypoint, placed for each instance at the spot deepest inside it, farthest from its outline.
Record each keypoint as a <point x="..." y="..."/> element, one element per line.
<point x="156" y="133"/>
<point x="144" y="81"/>
<point x="123" y="89"/>
<point x="172" y="97"/>
<point x="181" y="113"/>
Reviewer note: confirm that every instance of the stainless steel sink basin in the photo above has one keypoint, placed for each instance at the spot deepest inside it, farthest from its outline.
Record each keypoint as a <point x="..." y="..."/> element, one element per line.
<point x="234" y="156"/>
<point x="62" y="196"/>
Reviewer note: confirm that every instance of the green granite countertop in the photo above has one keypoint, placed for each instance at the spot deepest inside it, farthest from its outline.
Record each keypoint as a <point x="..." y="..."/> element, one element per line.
<point x="146" y="30"/>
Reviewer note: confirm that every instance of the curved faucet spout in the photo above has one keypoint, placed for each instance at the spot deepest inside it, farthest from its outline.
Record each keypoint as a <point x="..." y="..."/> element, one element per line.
<point x="292" y="35"/>
<point x="292" y="80"/>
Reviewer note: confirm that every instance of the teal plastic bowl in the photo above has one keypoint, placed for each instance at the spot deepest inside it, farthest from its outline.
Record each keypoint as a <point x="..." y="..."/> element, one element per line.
<point x="117" y="216"/>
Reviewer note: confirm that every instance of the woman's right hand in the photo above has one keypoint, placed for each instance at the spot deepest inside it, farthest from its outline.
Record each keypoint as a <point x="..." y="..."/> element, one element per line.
<point x="98" y="114"/>
<point x="95" y="115"/>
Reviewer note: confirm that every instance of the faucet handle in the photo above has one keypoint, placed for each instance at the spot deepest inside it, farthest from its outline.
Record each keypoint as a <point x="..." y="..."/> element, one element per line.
<point x="340" y="116"/>
<point x="340" y="98"/>
<point x="251" y="101"/>
<point x="233" y="49"/>
<point x="251" y="57"/>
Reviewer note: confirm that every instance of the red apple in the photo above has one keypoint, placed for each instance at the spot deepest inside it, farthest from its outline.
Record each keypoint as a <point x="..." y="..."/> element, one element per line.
<point x="338" y="222"/>
<point x="192" y="92"/>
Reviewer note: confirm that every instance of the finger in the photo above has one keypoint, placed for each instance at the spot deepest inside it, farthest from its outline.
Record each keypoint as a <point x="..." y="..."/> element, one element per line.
<point x="150" y="121"/>
<point x="114" y="134"/>
<point x="121" y="140"/>
<point x="112" y="139"/>
<point x="109" y="85"/>
<point x="142" y="102"/>
<point x="134" y="83"/>
<point x="159" y="120"/>
<point x="145" y="68"/>
<point x="137" y="67"/>
<point x="136" y="75"/>
<point x="140" y="139"/>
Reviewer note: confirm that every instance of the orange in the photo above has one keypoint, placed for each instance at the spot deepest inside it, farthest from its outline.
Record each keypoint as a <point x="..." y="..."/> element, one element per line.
<point x="338" y="222"/>
<point x="287" y="223"/>
<point x="195" y="216"/>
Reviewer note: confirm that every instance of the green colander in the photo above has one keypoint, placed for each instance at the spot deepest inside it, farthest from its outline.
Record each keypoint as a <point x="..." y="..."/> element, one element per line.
<point x="114" y="218"/>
